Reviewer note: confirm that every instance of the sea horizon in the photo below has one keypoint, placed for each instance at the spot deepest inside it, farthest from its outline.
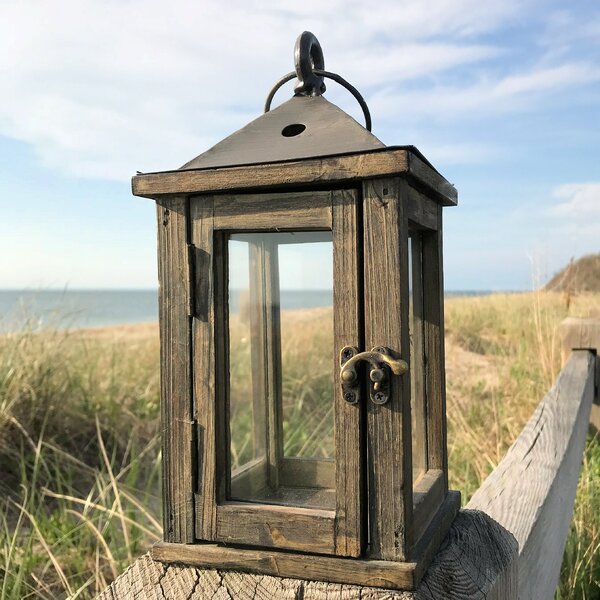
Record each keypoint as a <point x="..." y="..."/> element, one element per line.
<point x="87" y="308"/>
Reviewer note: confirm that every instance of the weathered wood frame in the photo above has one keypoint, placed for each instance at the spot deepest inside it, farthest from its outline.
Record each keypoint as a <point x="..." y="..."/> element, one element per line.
<point x="217" y="517"/>
<point x="418" y="373"/>
<point x="321" y="171"/>
<point x="175" y="317"/>
<point x="406" y="524"/>
<point x="507" y="544"/>
<point x="399" y="512"/>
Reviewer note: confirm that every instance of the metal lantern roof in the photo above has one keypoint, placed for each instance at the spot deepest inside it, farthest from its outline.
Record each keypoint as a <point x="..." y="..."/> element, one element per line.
<point x="307" y="131"/>
<point x="305" y="126"/>
<point x="302" y="127"/>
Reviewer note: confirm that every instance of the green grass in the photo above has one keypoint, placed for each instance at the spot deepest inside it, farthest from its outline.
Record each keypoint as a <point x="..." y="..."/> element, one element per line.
<point x="80" y="462"/>
<point x="80" y="455"/>
<point x="503" y="354"/>
<point x="580" y="572"/>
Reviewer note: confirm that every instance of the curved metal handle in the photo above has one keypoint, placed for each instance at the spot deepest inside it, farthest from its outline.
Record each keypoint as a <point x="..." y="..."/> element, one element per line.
<point x="376" y="359"/>
<point x="382" y="363"/>
<point x="310" y="71"/>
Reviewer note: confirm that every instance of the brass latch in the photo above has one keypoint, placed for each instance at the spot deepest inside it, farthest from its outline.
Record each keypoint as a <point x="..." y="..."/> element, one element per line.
<point x="382" y="364"/>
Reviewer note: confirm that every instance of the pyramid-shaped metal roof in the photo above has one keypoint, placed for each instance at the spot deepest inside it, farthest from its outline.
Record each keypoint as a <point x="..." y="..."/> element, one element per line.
<point x="302" y="127"/>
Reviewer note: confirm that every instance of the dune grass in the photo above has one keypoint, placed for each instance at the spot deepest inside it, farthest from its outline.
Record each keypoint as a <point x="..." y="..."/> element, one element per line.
<point x="503" y="354"/>
<point x="80" y="455"/>
<point x="80" y="461"/>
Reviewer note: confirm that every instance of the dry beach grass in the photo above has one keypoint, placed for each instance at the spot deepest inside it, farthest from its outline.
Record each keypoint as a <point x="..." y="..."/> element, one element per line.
<point x="80" y="455"/>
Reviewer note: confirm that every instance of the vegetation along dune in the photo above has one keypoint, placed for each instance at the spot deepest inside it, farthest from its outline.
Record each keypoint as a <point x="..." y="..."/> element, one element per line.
<point x="80" y="451"/>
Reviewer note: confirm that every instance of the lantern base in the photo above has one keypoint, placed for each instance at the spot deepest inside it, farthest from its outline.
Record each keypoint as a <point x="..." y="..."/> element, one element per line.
<point x="313" y="567"/>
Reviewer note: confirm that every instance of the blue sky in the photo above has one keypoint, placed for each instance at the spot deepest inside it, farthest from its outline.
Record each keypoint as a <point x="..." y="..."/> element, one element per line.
<point x="502" y="96"/>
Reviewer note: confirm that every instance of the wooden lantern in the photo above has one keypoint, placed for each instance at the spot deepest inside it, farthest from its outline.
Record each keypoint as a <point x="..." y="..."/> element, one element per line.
<point x="302" y="348"/>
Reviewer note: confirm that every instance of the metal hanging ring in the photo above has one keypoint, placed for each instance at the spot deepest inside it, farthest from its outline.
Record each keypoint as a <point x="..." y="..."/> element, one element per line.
<point x="310" y="71"/>
<point x="308" y="60"/>
<point x="329" y="75"/>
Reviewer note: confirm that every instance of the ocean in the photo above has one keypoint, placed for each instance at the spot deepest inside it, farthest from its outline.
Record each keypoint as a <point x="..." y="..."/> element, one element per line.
<point x="21" y="309"/>
<point x="67" y="309"/>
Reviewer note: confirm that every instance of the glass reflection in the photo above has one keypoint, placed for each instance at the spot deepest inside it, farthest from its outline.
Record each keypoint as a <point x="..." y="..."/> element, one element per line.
<point x="281" y="409"/>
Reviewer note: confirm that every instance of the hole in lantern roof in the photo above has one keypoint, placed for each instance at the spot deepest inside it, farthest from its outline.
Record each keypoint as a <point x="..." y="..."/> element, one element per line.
<point x="293" y="130"/>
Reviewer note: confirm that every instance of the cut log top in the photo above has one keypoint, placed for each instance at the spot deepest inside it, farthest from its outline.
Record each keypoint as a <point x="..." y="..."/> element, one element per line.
<point x="460" y="571"/>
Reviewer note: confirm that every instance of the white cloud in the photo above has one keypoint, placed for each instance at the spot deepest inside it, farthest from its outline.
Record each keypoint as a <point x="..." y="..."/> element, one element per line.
<point x="102" y="88"/>
<point x="581" y="204"/>
<point x="572" y="225"/>
<point x="513" y="92"/>
<point x="565" y="32"/>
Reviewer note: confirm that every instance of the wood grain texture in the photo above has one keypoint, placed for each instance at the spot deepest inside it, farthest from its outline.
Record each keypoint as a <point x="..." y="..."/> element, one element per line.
<point x="257" y="559"/>
<point x="428" y="496"/>
<point x="386" y="324"/>
<point x="308" y="171"/>
<point x="477" y="560"/>
<point x="333" y="569"/>
<point x="433" y="331"/>
<point x="259" y="376"/>
<point x="269" y="526"/>
<point x="421" y="210"/>
<point x="583" y="333"/>
<point x="418" y="364"/>
<point x="282" y="211"/>
<point x="202" y="211"/>
<point x="349" y="444"/>
<point x="579" y="333"/>
<point x="531" y="492"/>
<point x="425" y="176"/>
<point x="273" y="359"/>
<point x="175" y="299"/>
<point x="326" y="170"/>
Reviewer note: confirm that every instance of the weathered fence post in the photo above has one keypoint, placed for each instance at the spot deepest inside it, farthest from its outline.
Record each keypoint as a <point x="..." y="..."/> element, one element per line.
<point x="478" y="560"/>
<point x="532" y="491"/>
<point x="579" y="333"/>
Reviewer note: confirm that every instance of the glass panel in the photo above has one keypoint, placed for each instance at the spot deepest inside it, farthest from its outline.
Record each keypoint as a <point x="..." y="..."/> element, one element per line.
<point x="307" y="349"/>
<point x="281" y="409"/>
<point x="417" y="361"/>
<point x="247" y="436"/>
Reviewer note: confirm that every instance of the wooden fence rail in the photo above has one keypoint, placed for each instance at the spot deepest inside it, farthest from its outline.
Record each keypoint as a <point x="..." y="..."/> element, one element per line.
<point x="508" y="543"/>
<point x="532" y="491"/>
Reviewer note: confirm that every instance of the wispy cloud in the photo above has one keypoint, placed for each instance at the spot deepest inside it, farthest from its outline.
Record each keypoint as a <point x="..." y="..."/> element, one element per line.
<point x="572" y="224"/>
<point x="513" y="92"/>
<point x="580" y="202"/>
<point x="101" y="88"/>
<point x="565" y="32"/>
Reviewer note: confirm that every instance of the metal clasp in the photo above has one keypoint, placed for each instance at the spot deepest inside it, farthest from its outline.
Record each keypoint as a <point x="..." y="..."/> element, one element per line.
<point x="382" y="365"/>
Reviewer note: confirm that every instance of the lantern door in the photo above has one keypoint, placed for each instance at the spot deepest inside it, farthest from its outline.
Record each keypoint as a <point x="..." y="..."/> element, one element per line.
<point x="279" y="445"/>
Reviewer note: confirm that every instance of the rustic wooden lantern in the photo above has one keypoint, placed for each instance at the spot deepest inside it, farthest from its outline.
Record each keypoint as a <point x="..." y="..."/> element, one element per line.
<point x="302" y="348"/>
